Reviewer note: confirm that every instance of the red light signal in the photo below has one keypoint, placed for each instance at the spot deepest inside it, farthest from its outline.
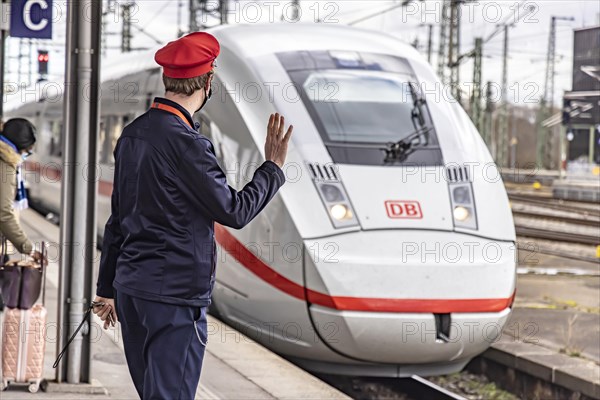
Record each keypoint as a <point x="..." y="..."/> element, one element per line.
<point x="43" y="62"/>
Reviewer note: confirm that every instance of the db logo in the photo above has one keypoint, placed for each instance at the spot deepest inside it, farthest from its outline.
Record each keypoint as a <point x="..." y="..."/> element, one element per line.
<point x="403" y="209"/>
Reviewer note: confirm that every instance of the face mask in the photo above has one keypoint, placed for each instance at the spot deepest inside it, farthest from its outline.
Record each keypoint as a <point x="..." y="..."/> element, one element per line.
<point x="25" y="155"/>
<point x="206" y="98"/>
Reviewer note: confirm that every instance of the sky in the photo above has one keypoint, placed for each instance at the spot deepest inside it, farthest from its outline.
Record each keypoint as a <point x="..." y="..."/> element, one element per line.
<point x="528" y="37"/>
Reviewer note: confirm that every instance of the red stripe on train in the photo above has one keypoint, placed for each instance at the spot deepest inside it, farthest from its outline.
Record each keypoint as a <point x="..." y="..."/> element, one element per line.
<point x="247" y="259"/>
<point x="52" y="173"/>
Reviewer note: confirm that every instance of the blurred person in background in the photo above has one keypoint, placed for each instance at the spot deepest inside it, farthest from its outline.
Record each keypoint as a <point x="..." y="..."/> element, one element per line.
<point x="17" y="138"/>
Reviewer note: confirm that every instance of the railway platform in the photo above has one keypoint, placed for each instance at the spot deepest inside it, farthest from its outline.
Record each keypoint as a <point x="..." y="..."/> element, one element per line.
<point x="550" y="349"/>
<point x="574" y="187"/>
<point x="235" y="367"/>
<point x="529" y="175"/>
<point x="547" y="176"/>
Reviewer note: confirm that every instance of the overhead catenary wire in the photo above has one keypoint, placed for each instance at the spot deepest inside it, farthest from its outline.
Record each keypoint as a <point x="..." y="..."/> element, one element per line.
<point x="498" y="30"/>
<point x="378" y="13"/>
<point x="542" y="33"/>
<point x="157" y="13"/>
<point x="142" y="30"/>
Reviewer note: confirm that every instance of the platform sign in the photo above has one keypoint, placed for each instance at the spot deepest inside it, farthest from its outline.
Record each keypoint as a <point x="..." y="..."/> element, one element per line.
<point x="31" y="19"/>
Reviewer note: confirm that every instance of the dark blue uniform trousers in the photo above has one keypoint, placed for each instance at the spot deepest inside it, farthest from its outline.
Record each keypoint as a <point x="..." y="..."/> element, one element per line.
<point x="164" y="346"/>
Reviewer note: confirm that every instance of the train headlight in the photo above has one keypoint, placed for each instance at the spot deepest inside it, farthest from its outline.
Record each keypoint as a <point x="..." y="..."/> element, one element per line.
<point x="461" y="213"/>
<point x="337" y="203"/>
<point x="463" y="205"/>
<point x="340" y="212"/>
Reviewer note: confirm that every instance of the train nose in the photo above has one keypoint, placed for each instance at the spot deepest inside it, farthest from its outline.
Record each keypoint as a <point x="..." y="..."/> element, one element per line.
<point x="409" y="297"/>
<point x="407" y="338"/>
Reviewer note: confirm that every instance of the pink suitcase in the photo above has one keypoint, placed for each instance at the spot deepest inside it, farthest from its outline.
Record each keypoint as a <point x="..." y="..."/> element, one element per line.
<point x="24" y="342"/>
<point x="23" y="346"/>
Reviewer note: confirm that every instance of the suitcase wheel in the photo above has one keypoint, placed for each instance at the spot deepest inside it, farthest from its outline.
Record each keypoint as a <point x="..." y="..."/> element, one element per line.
<point x="34" y="387"/>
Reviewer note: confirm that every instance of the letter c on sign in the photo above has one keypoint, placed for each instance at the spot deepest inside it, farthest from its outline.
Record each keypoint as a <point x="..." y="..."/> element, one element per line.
<point x="27" y="15"/>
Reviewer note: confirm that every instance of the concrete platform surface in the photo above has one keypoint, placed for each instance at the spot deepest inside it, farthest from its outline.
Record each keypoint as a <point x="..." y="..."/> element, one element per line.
<point x="560" y="312"/>
<point x="235" y="367"/>
<point x="577" y="375"/>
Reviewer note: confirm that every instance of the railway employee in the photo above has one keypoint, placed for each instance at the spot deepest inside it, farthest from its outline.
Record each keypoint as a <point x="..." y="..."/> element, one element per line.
<point x="159" y="256"/>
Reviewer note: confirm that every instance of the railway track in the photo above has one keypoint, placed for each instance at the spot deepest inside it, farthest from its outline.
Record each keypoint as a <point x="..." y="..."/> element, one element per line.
<point x="543" y="217"/>
<point x="371" y="388"/>
<point x="418" y="388"/>
<point x="591" y="209"/>
<point x="559" y="218"/>
<point x="558" y="236"/>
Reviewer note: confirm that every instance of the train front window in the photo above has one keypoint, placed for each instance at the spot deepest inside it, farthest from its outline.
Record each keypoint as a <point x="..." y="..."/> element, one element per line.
<point x="361" y="106"/>
<point x="361" y="103"/>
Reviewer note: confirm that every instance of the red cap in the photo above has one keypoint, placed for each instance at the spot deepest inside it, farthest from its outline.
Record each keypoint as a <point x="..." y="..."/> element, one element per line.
<point x="190" y="56"/>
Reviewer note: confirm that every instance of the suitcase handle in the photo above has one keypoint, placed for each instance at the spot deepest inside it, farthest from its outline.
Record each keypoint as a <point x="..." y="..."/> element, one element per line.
<point x="44" y="273"/>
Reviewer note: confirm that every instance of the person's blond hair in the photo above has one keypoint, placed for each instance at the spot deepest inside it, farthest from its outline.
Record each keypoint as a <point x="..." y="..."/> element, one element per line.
<point x="185" y="86"/>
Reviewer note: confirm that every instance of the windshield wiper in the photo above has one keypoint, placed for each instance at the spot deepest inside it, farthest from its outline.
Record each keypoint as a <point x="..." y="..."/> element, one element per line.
<point x="400" y="150"/>
<point x="416" y="113"/>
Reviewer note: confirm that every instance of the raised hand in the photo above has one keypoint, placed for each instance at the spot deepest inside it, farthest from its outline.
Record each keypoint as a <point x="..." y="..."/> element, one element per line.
<point x="277" y="143"/>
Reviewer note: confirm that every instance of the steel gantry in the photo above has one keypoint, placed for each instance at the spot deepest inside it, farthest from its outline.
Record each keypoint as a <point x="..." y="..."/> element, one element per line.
<point x="543" y="148"/>
<point x="200" y="10"/>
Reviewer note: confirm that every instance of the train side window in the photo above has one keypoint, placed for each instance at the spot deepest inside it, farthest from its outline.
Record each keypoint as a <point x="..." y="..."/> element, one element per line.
<point x="116" y="133"/>
<point x="205" y="126"/>
<point x="101" y="140"/>
<point x="55" y="138"/>
<point x="110" y="130"/>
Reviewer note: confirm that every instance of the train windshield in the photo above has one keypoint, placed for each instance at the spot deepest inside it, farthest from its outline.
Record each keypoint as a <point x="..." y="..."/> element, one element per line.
<point x="361" y="106"/>
<point x="361" y="103"/>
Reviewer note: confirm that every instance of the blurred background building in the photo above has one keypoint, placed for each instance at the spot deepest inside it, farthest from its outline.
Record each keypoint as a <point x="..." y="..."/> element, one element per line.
<point x="581" y="105"/>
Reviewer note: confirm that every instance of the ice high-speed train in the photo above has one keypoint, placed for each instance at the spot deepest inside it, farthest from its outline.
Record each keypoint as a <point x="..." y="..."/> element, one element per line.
<point x="390" y="250"/>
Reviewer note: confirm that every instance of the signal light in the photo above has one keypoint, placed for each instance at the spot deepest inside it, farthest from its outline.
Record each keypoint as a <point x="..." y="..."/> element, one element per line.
<point x="43" y="58"/>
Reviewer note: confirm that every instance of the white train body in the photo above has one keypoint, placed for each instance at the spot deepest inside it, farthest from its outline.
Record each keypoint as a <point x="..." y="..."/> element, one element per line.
<point x="416" y="275"/>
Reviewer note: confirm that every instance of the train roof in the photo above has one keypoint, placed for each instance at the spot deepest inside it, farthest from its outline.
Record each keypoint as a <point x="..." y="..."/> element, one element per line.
<point x="128" y="63"/>
<point x="252" y="40"/>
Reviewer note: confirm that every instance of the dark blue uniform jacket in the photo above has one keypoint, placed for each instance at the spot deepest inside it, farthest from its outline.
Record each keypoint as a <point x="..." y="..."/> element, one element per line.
<point x="168" y="192"/>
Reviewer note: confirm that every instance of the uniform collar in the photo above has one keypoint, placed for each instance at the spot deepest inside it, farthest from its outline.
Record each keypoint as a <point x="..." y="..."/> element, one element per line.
<point x="185" y="112"/>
